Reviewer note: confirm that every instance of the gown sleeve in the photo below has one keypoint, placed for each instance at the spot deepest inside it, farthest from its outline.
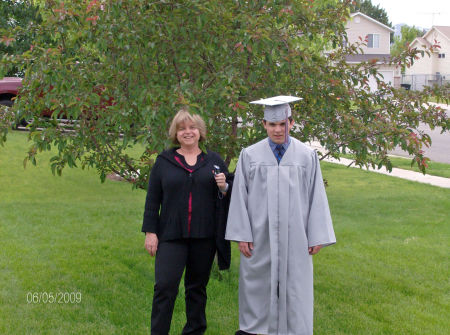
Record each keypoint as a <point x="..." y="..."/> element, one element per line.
<point x="319" y="228"/>
<point x="238" y="225"/>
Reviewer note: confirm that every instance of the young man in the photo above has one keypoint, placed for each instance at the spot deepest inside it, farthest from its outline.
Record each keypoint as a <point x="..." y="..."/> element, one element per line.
<point x="279" y="215"/>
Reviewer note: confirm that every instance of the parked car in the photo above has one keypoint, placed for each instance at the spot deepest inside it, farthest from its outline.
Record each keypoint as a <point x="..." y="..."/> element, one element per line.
<point x="9" y="88"/>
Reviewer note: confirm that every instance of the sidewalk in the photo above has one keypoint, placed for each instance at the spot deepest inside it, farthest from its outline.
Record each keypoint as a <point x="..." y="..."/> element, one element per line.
<point x="442" y="105"/>
<point x="399" y="173"/>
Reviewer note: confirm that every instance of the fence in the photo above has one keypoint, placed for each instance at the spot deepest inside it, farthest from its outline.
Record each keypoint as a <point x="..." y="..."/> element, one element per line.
<point x="418" y="81"/>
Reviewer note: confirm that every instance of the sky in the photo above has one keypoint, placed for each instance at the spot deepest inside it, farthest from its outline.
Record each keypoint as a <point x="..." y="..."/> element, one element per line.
<point x="420" y="13"/>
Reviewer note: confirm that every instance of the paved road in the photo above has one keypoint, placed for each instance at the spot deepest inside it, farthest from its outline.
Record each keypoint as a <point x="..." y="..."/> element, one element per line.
<point x="440" y="145"/>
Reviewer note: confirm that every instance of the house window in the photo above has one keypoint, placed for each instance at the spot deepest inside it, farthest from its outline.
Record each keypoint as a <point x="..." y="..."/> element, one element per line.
<point x="441" y="55"/>
<point x="373" y="41"/>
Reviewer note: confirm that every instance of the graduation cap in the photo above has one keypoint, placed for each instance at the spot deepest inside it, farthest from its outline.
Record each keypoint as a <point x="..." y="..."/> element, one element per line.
<point x="277" y="109"/>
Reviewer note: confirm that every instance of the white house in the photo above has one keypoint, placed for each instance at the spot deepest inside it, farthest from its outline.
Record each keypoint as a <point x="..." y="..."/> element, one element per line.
<point x="434" y="68"/>
<point x="378" y="35"/>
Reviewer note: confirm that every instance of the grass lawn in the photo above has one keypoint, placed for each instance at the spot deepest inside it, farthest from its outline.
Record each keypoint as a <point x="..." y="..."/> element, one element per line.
<point x="434" y="168"/>
<point x="388" y="273"/>
<point x="434" y="99"/>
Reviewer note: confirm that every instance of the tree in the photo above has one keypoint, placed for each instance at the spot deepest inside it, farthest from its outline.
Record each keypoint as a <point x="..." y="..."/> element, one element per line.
<point x="119" y="70"/>
<point x="375" y="12"/>
<point x="401" y="43"/>
<point x="18" y="16"/>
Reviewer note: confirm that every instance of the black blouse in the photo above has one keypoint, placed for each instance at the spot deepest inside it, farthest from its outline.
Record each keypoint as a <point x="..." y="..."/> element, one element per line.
<point x="181" y="200"/>
<point x="200" y="157"/>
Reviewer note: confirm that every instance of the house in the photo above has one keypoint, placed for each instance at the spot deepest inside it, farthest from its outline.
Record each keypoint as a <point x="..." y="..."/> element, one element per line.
<point x="378" y="36"/>
<point x="433" y="69"/>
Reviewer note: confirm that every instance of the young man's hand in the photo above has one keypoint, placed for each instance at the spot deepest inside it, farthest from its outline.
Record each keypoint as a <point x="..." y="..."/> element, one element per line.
<point x="314" y="250"/>
<point x="246" y="248"/>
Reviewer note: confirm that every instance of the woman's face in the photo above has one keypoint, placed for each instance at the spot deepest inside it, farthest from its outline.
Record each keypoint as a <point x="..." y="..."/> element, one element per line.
<point x="188" y="134"/>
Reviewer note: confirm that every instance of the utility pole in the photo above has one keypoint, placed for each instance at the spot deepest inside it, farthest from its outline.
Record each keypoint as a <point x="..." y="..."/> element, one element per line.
<point x="433" y="15"/>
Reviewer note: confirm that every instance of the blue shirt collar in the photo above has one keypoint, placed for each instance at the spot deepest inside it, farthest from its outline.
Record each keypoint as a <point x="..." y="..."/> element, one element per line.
<point x="273" y="144"/>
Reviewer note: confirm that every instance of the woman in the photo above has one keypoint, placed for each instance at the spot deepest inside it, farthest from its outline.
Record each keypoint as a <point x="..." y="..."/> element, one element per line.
<point x="180" y="222"/>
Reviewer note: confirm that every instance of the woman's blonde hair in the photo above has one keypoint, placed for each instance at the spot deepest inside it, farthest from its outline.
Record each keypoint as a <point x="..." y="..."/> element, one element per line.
<point x="182" y="116"/>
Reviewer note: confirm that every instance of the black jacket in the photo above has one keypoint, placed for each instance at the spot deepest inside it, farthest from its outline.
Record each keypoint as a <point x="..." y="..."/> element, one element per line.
<point x="171" y="186"/>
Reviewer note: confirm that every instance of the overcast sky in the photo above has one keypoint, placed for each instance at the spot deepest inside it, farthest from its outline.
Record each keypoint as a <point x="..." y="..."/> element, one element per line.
<point x="420" y="13"/>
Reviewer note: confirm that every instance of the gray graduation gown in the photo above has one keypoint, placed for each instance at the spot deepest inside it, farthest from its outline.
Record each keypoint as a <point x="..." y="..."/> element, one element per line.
<point x="283" y="209"/>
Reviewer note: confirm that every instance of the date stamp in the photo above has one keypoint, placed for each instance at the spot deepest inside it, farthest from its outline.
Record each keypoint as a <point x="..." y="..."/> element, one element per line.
<point x="54" y="297"/>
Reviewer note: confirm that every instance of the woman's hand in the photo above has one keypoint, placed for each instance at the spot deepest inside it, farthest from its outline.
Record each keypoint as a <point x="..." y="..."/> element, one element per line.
<point x="151" y="243"/>
<point x="221" y="182"/>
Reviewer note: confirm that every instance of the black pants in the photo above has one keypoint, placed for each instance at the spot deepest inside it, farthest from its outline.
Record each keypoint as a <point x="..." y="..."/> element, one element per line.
<point x="172" y="257"/>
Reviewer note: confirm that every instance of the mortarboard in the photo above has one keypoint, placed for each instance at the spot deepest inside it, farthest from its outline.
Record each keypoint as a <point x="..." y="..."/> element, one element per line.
<point x="277" y="109"/>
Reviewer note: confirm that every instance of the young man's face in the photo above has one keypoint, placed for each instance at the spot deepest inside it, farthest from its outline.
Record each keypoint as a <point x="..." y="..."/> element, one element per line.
<point x="275" y="130"/>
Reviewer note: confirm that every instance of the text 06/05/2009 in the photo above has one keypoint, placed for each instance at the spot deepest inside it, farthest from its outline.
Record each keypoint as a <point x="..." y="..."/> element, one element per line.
<point x="54" y="297"/>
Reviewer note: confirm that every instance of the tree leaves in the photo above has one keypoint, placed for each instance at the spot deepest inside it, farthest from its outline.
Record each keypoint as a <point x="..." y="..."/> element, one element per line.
<point x="119" y="82"/>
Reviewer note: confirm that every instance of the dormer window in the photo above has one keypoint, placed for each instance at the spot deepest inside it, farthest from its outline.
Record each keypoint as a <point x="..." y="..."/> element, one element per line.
<point x="373" y="40"/>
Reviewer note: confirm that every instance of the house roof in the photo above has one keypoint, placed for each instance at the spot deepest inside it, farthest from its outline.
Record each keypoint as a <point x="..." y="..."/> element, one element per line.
<point x="444" y="30"/>
<point x="380" y="58"/>
<point x="421" y="41"/>
<point x="373" y="20"/>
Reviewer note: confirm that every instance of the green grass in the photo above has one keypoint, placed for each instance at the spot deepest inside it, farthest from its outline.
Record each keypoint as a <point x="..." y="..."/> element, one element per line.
<point x="388" y="273"/>
<point x="434" y="99"/>
<point x="434" y="168"/>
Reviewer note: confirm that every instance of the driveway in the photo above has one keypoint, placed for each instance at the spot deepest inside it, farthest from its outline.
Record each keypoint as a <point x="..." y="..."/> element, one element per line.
<point x="440" y="145"/>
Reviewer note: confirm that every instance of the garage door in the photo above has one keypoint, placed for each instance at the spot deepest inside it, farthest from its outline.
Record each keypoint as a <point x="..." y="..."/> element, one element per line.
<point x="388" y="78"/>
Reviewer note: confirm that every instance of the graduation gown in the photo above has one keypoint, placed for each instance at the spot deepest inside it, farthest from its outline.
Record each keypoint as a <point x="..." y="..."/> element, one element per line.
<point x="283" y="209"/>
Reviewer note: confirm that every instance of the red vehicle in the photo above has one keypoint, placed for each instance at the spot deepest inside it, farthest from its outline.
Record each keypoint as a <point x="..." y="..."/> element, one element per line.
<point x="9" y="88"/>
